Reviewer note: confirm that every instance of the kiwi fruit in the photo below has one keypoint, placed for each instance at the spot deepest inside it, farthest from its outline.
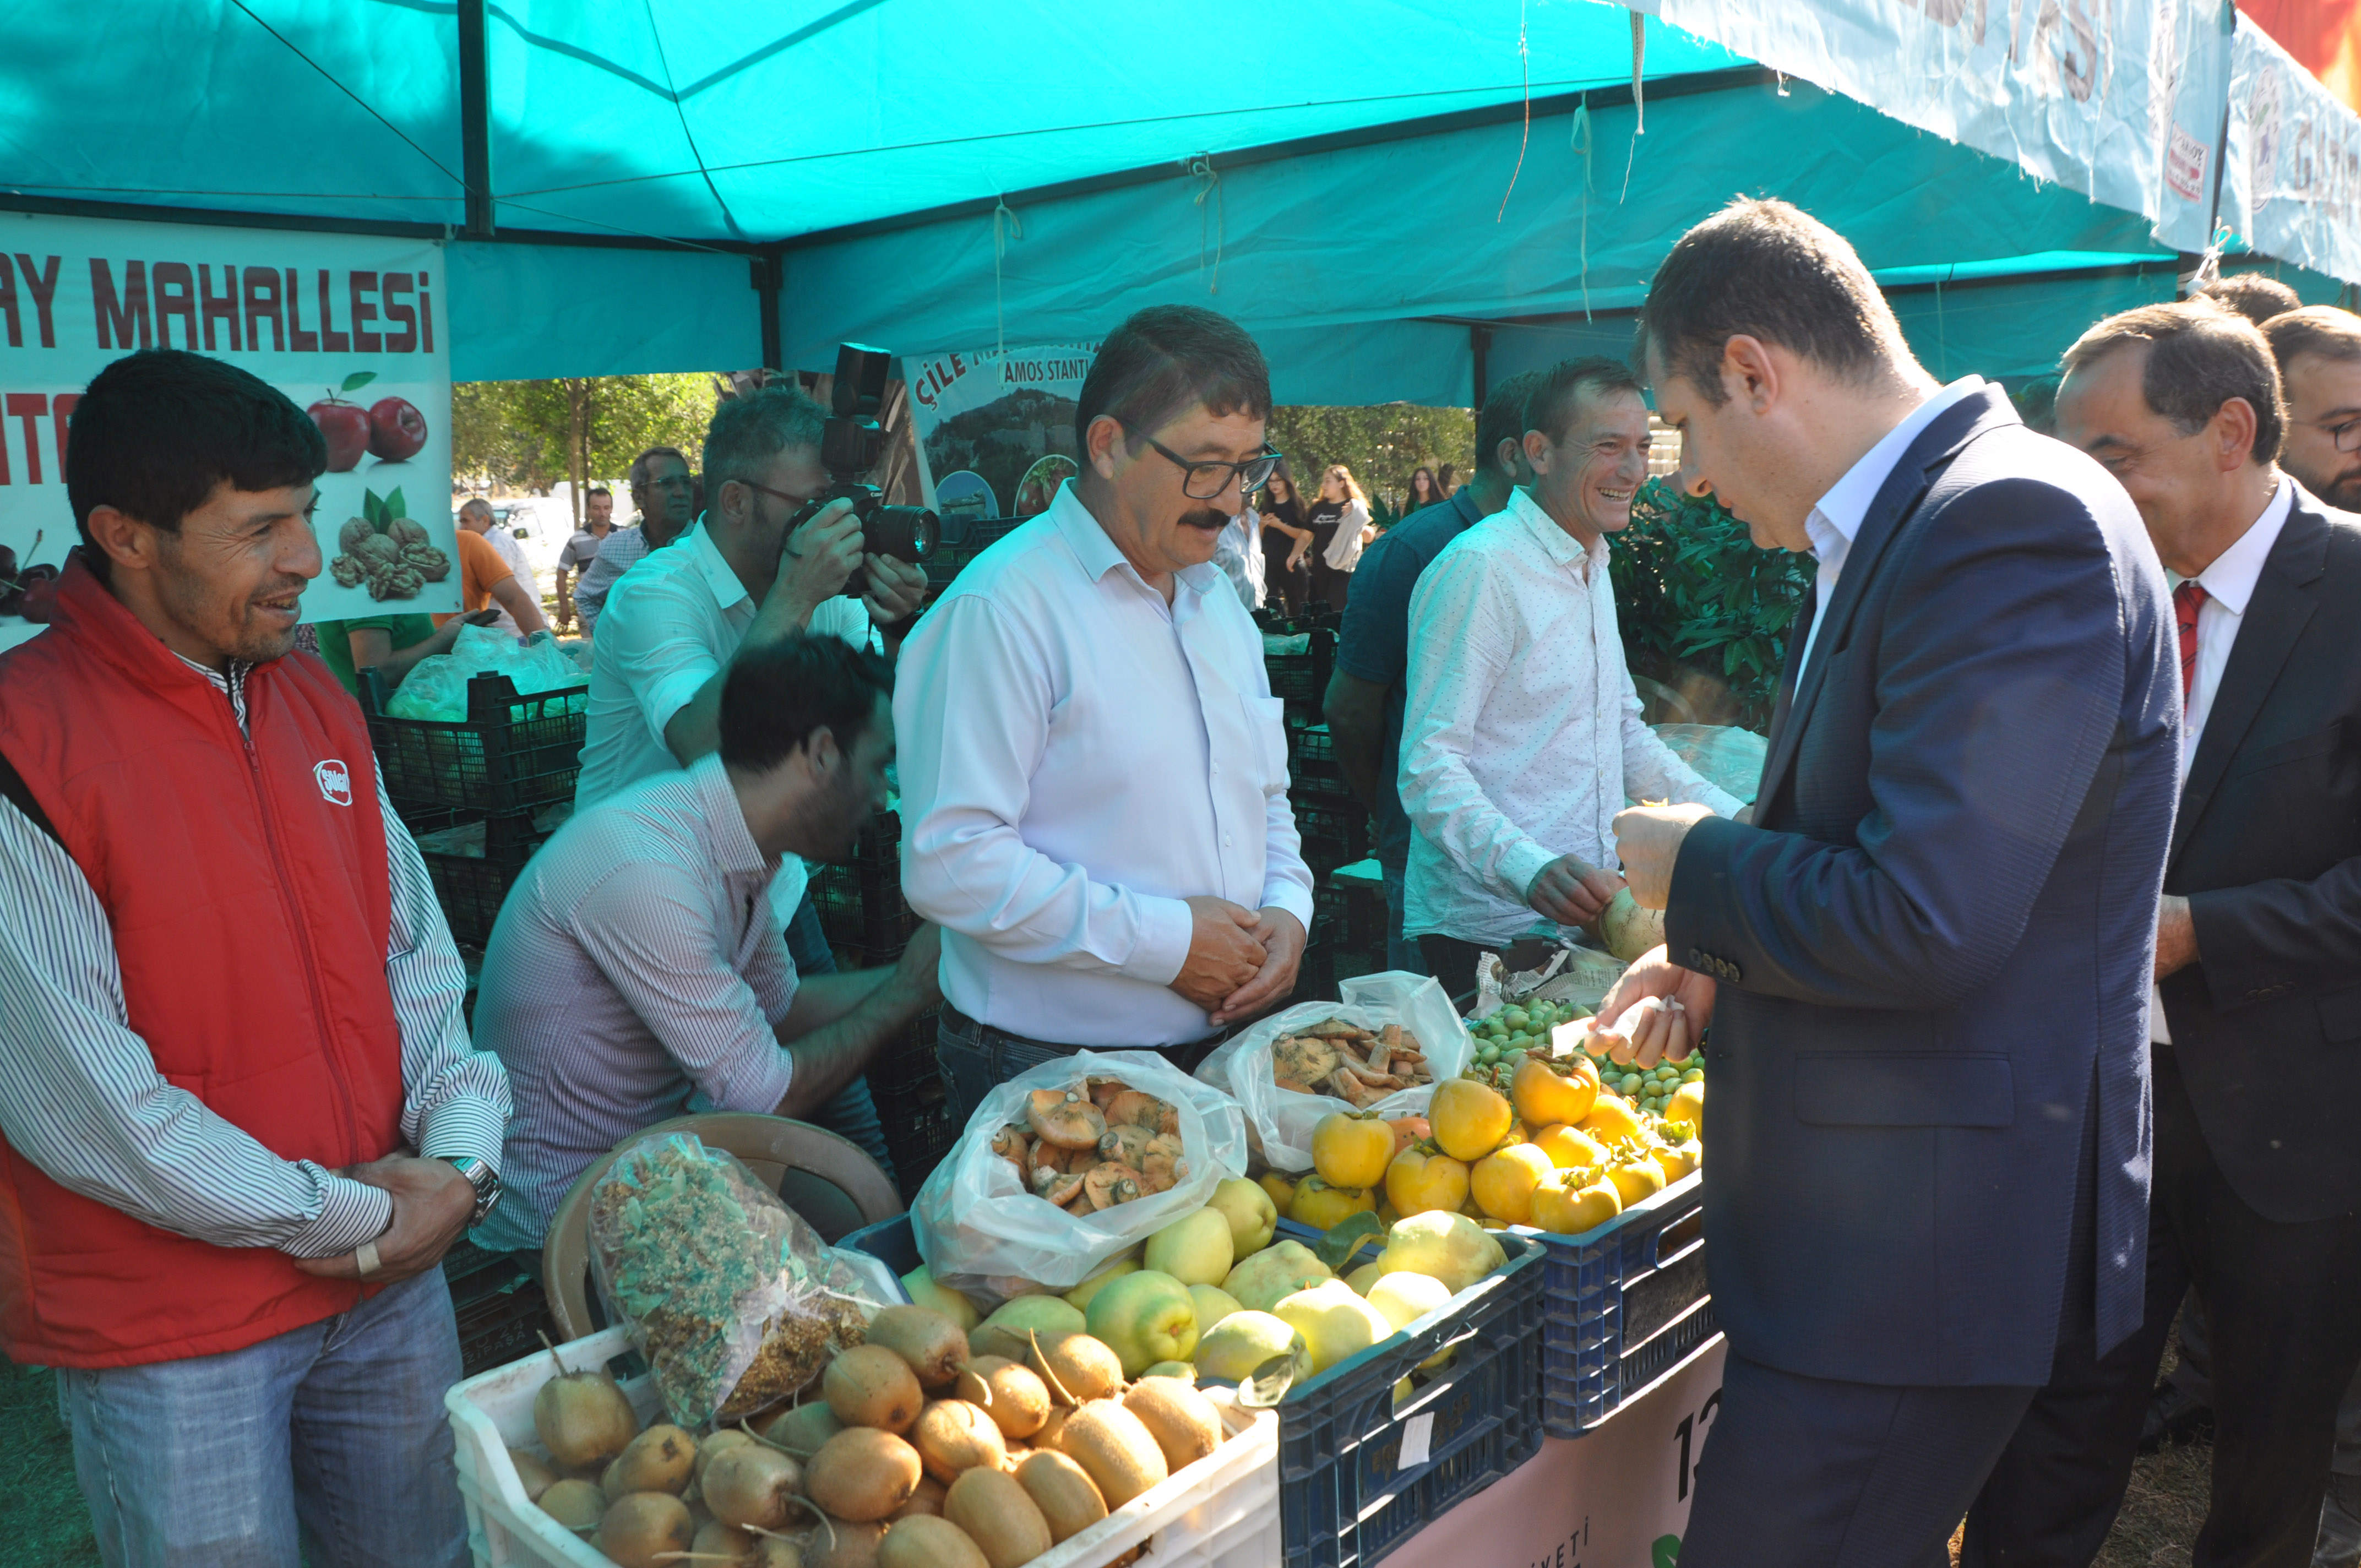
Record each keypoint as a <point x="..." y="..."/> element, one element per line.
<point x="1076" y="1368"/>
<point x="1069" y="1500"/>
<point x="751" y="1485"/>
<point x="660" y="1459"/>
<point x="714" y="1447"/>
<point x="863" y="1473"/>
<point x="935" y="1346"/>
<point x="999" y="1516"/>
<point x="1053" y="1427"/>
<point x="1116" y="1447"/>
<point x="802" y="1430"/>
<point x="923" y="1541"/>
<point x="736" y="1548"/>
<point x="852" y="1545"/>
<point x="532" y="1475"/>
<point x="583" y="1418"/>
<point x="952" y="1436"/>
<point x="575" y="1504"/>
<point x="1019" y="1401"/>
<point x="868" y="1385"/>
<point x="640" y="1528"/>
<point x="927" y="1499"/>
<point x="1182" y="1421"/>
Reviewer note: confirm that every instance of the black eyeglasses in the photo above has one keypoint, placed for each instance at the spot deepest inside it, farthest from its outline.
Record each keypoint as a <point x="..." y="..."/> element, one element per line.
<point x="1250" y="475"/>
<point x="2345" y="432"/>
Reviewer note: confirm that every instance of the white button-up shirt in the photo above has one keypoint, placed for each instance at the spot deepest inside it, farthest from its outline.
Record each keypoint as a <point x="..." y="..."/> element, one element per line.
<point x="670" y="625"/>
<point x="2229" y="585"/>
<point x="1835" y="521"/>
<point x="1521" y="733"/>
<point x="1077" y="757"/>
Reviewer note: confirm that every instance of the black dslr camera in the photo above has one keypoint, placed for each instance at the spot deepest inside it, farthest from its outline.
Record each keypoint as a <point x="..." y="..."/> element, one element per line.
<point x="850" y="443"/>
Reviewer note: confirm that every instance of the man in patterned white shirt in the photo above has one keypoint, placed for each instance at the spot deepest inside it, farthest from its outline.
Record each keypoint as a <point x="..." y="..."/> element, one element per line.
<point x="243" y="1120"/>
<point x="1522" y="734"/>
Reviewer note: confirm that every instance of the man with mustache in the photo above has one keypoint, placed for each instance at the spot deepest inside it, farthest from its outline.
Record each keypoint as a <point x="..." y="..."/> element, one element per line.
<point x="242" y="1118"/>
<point x="1521" y="735"/>
<point x="1093" y="769"/>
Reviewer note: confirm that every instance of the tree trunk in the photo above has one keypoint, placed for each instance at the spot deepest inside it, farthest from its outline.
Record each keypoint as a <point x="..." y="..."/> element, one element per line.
<point x="580" y="392"/>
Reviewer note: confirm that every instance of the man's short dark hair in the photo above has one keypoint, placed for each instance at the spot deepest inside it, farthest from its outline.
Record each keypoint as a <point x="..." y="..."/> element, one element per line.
<point x="748" y="432"/>
<point x="775" y="696"/>
<point x="1557" y="394"/>
<point x="2200" y="356"/>
<point x="643" y="464"/>
<point x="2258" y="296"/>
<point x="1164" y="359"/>
<point x="157" y="430"/>
<point x="1503" y="419"/>
<point x="2322" y="330"/>
<point x="1765" y="270"/>
<point x="602" y="490"/>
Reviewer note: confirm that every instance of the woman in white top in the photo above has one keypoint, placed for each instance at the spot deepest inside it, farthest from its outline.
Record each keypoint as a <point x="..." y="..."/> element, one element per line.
<point x="1340" y="527"/>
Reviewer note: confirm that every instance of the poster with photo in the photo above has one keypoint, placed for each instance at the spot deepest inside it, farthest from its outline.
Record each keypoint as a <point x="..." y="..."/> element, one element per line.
<point x="995" y="430"/>
<point x="349" y="327"/>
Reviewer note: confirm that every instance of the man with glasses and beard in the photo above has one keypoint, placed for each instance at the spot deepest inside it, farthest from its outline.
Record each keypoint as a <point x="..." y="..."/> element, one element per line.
<point x="1093" y="769"/>
<point x="666" y="493"/>
<point x="737" y="581"/>
<point x="2318" y="352"/>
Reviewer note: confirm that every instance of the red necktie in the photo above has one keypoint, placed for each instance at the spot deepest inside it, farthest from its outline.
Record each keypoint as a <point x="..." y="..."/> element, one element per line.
<point x="2187" y="601"/>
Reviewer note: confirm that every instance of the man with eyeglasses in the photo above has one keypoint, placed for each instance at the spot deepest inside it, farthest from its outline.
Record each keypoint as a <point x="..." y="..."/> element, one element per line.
<point x="665" y="492"/>
<point x="1093" y="769"/>
<point x="737" y="581"/>
<point x="2319" y="353"/>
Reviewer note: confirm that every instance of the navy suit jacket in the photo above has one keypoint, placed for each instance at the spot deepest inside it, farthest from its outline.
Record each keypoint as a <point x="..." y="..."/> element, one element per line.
<point x="1929" y="1109"/>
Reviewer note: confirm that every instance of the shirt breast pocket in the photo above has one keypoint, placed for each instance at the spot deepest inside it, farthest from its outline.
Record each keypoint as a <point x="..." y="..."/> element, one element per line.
<point x="1267" y="725"/>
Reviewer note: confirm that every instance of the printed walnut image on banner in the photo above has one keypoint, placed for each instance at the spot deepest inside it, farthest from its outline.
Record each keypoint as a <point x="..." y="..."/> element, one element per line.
<point x="387" y="551"/>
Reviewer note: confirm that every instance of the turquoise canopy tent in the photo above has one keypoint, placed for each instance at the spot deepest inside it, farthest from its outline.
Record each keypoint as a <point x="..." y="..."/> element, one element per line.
<point x="1399" y="196"/>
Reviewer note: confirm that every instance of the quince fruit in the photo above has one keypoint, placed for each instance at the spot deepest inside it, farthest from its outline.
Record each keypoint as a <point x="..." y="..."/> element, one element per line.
<point x="1253" y="1213"/>
<point x="1233" y="1348"/>
<point x="1144" y="1317"/>
<point x="1451" y="1247"/>
<point x="1279" y="1269"/>
<point x="1334" y="1322"/>
<point x="1195" y="1249"/>
<point x="1078" y="1298"/>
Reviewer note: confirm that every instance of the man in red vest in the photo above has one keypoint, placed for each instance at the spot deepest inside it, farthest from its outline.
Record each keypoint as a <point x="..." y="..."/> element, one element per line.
<point x="240" y="1120"/>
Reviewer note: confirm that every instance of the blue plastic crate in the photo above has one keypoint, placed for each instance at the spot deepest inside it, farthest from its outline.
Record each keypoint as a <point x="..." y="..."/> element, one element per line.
<point x="1344" y="1497"/>
<point x="892" y="1243"/>
<point x="1626" y="1305"/>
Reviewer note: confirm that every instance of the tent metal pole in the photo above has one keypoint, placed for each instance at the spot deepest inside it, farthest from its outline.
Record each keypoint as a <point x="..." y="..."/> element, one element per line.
<point x="1480" y="344"/>
<point x="475" y="121"/>
<point x="768" y="268"/>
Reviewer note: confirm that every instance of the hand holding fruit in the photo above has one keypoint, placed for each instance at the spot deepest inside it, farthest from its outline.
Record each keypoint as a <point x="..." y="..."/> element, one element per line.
<point x="1572" y="892"/>
<point x="1646" y="1037"/>
<point x="1648" y="842"/>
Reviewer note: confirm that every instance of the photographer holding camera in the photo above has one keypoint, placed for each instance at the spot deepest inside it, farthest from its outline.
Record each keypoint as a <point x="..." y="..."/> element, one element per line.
<point x="762" y="566"/>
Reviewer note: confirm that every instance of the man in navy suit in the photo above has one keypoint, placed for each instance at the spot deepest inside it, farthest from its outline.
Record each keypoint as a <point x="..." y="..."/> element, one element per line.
<point x="1930" y="950"/>
<point x="2257" y="1079"/>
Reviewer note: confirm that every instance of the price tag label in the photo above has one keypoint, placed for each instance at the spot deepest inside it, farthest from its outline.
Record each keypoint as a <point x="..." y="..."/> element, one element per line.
<point x="1566" y="1038"/>
<point x="1417" y="1437"/>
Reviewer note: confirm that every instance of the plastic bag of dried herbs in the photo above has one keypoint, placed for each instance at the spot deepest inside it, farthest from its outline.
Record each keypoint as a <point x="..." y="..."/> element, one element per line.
<point x="734" y="1300"/>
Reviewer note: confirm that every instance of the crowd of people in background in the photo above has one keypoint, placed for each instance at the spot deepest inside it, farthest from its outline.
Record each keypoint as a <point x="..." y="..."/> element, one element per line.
<point x="2031" y="965"/>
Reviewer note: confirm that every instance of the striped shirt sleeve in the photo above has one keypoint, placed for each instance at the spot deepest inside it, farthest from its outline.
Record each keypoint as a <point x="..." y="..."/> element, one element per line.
<point x="455" y="1098"/>
<point x="81" y="1098"/>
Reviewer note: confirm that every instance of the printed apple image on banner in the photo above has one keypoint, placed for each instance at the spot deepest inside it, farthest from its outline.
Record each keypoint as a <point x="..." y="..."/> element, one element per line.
<point x="391" y="430"/>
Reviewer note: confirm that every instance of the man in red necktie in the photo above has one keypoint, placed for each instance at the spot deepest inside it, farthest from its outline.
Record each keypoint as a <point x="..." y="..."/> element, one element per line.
<point x="2256" y="1197"/>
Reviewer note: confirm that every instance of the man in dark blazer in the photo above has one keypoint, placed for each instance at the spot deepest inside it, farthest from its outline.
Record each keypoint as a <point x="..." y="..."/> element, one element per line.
<point x="1927" y="1128"/>
<point x="2258" y="1045"/>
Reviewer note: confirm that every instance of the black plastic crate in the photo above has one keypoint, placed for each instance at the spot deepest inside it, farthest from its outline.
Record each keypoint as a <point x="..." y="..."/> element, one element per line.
<point x="1323" y="781"/>
<point x="1303" y="677"/>
<point x="503" y="1326"/>
<point x="1309" y="743"/>
<point x="914" y="1103"/>
<point x="473" y="863"/>
<point x="1626" y="1305"/>
<point x="861" y="906"/>
<point x="1355" y="914"/>
<point x="512" y="753"/>
<point x="1334" y="833"/>
<point x="1345" y="1497"/>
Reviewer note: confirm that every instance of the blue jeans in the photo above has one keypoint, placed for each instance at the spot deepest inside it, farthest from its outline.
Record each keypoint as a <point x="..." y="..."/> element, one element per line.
<point x="852" y="1113"/>
<point x="209" y="1463"/>
<point x="1402" y="952"/>
<point x="977" y="1058"/>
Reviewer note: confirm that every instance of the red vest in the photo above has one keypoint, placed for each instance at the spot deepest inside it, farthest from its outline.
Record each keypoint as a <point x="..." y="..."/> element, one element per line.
<point x="245" y="884"/>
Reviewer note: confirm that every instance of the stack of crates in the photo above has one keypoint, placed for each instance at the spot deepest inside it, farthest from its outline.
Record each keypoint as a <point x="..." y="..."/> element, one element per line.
<point x="868" y="923"/>
<point x="500" y="1309"/>
<point x="481" y="793"/>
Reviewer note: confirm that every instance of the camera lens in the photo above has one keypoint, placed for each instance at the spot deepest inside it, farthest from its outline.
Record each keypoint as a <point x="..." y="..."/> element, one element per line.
<point x="907" y="534"/>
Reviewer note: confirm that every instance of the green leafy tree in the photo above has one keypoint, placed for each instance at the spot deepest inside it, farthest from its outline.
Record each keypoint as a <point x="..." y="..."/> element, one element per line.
<point x="530" y="434"/>
<point x="1703" y="612"/>
<point x="1381" y="444"/>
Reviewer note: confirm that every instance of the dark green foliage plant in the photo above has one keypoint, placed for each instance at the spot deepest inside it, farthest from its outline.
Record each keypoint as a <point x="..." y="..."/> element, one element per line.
<point x="1703" y="610"/>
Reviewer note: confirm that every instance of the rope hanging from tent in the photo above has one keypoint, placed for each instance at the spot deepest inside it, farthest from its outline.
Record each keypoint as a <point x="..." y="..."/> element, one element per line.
<point x="1209" y="183"/>
<point x="1002" y="213"/>
<point x="1525" y="80"/>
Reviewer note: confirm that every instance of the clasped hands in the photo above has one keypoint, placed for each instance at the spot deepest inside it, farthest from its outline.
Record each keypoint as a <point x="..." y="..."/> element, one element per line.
<point x="1239" y="958"/>
<point x="431" y="1205"/>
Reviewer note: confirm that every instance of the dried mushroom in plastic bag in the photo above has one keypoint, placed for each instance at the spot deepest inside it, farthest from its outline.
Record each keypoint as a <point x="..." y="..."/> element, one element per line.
<point x="734" y="1300"/>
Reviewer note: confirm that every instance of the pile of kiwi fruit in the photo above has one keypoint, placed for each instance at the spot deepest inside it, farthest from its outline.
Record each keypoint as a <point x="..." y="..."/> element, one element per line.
<point x="916" y="1453"/>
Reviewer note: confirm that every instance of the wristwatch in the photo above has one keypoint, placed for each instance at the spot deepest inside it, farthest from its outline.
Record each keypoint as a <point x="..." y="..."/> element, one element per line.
<point x="483" y="1178"/>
